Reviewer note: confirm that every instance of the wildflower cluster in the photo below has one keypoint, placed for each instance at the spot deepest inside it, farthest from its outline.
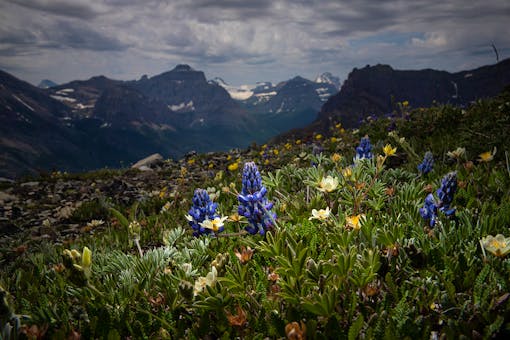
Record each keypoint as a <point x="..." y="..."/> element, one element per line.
<point x="253" y="203"/>
<point x="202" y="216"/>
<point x="445" y="197"/>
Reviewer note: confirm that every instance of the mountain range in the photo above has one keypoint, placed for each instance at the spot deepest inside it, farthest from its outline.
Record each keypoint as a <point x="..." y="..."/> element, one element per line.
<point x="87" y="124"/>
<point x="377" y="91"/>
<point x="102" y="122"/>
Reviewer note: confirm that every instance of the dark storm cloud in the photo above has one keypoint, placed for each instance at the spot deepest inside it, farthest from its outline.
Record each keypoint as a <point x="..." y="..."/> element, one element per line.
<point x="293" y="36"/>
<point x="75" y="9"/>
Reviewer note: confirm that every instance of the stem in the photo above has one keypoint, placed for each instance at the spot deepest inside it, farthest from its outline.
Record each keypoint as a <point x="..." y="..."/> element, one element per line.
<point x="137" y="242"/>
<point x="240" y="233"/>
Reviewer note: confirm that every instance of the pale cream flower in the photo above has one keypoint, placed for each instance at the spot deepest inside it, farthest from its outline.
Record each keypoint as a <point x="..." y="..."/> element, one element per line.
<point x="209" y="280"/>
<point x="328" y="184"/>
<point x="321" y="215"/>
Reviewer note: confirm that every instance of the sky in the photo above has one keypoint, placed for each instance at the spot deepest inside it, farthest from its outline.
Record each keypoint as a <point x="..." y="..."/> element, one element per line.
<point x="247" y="41"/>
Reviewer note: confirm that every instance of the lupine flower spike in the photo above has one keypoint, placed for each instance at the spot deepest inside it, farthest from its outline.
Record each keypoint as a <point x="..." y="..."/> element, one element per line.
<point x="253" y="203"/>
<point x="427" y="164"/>
<point x="364" y="150"/>
<point x="202" y="216"/>
<point x="445" y="193"/>
<point x="445" y="197"/>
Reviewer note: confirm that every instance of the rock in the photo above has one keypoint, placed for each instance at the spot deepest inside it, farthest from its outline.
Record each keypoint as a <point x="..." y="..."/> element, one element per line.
<point x="30" y="184"/>
<point x="149" y="162"/>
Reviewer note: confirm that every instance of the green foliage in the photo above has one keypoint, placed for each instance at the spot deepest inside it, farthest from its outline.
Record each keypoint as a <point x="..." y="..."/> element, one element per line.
<point x="372" y="268"/>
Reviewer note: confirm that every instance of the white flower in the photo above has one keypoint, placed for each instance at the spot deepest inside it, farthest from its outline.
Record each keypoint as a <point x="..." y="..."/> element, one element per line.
<point x="457" y="153"/>
<point x="321" y="214"/>
<point x="328" y="184"/>
<point x="189" y="218"/>
<point x="95" y="223"/>
<point x="215" y="224"/>
<point x="166" y="207"/>
<point x="209" y="280"/>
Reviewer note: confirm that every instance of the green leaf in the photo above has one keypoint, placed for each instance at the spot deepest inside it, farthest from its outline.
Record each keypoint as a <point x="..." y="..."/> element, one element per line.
<point x="355" y="328"/>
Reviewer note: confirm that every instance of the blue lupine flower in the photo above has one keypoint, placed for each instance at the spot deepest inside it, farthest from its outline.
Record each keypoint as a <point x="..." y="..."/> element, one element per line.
<point x="253" y="203"/>
<point x="427" y="164"/>
<point x="364" y="150"/>
<point x="446" y="191"/>
<point x="445" y="197"/>
<point x="429" y="210"/>
<point x="202" y="209"/>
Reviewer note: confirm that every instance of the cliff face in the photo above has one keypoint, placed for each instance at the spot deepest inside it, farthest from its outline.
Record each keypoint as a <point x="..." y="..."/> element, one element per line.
<point x="375" y="90"/>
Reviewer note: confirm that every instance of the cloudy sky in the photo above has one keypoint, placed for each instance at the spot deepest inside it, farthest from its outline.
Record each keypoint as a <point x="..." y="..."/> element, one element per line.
<point x="246" y="41"/>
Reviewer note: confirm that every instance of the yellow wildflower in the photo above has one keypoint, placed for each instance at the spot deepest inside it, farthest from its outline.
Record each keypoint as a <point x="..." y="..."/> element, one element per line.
<point x="191" y="161"/>
<point x="86" y="259"/>
<point x="334" y="140"/>
<point x="298" y="141"/>
<point x="405" y="103"/>
<point x="354" y="221"/>
<point x="318" y="136"/>
<point x="266" y="162"/>
<point x="389" y="151"/>
<point x="338" y="125"/>
<point x="498" y="245"/>
<point x="229" y="157"/>
<point x="233" y="166"/>
<point x="487" y="156"/>
<point x="276" y="152"/>
<point x="347" y="172"/>
<point x="288" y="146"/>
<point x="336" y="157"/>
<point x="264" y="146"/>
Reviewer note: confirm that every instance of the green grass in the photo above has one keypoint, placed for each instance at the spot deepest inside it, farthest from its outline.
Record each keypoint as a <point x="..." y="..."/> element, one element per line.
<point x="394" y="277"/>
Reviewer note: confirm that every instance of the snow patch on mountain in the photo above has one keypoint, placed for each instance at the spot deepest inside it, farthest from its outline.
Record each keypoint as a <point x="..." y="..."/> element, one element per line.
<point x="182" y="107"/>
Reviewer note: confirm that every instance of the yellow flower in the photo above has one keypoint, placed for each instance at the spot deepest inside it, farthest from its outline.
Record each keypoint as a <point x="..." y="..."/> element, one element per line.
<point x="235" y="217"/>
<point x="347" y="172"/>
<point x="266" y="162"/>
<point x="86" y="259"/>
<point x="215" y="224"/>
<point x="321" y="215"/>
<point x="389" y="151"/>
<point x="191" y="161"/>
<point x="328" y="184"/>
<point x="298" y="141"/>
<point x="264" y="146"/>
<point x="288" y="146"/>
<point x="338" y="125"/>
<point x="211" y="165"/>
<point x="318" y="136"/>
<point x="498" y="245"/>
<point x="354" y="221"/>
<point x="233" y="166"/>
<point x="276" y="152"/>
<point x="336" y="157"/>
<point x="333" y="140"/>
<point x="487" y="156"/>
<point x="229" y="157"/>
<point x="405" y="103"/>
